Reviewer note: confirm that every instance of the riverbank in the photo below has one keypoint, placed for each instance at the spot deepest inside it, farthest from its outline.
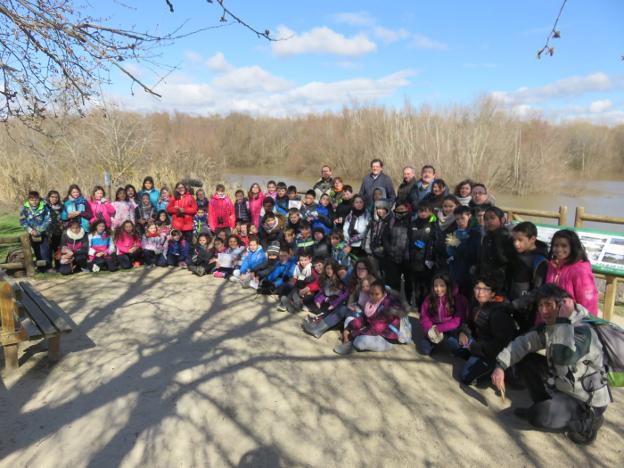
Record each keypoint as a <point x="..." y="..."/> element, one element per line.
<point x="167" y="369"/>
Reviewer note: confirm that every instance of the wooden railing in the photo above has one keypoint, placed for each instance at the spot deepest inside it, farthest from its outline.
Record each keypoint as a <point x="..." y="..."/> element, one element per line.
<point x="514" y="214"/>
<point x="28" y="265"/>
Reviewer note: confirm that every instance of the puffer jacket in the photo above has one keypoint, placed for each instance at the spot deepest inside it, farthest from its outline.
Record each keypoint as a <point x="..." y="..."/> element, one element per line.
<point x="101" y="209"/>
<point x="375" y="234"/>
<point x="76" y="243"/>
<point x="100" y="243"/>
<point x="495" y="254"/>
<point x="178" y="248"/>
<point x="385" y="322"/>
<point x="360" y="226"/>
<point x="396" y="239"/>
<point x="55" y="228"/>
<point x="124" y="242"/>
<point x="145" y="212"/>
<point x="253" y="260"/>
<point x="156" y="243"/>
<point x="35" y="220"/>
<point x="578" y="281"/>
<point x="241" y="211"/>
<point x="221" y="213"/>
<point x="492" y="327"/>
<point x="442" y="317"/>
<point x="422" y="241"/>
<point x="282" y="272"/>
<point x="80" y="205"/>
<point x="182" y="221"/>
<point x="574" y="354"/>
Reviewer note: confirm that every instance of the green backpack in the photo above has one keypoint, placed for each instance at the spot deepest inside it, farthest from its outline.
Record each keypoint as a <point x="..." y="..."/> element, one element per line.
<point x="612" y="338"/>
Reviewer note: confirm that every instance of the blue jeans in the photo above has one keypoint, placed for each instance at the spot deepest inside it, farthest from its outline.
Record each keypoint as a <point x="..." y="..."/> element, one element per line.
<point x="426" y="347"/>
<point x="475" y="368"/>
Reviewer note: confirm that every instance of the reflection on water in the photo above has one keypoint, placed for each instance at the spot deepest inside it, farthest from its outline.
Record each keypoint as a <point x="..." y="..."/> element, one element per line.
<point x="598" y="197"/>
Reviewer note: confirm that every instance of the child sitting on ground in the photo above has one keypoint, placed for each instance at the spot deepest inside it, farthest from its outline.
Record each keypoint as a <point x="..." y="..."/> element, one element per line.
<point x="230" y="259"/>
<point x="281" y="273"/>
<point x="101" y="248"/>
<point x="378" y="327"/>
<point x="177" y="250"/>
<point x="154" y="245"/>
<point x="200" y="222"/>
<point x="332" y="292"/>
<point x="201" y="255"/>
<point x="128" y="245"/>
<point x="253" y="259"/>
<point x="441" y="315"/>
<point x="304" y="283"/>
<point x="74" y="248"/>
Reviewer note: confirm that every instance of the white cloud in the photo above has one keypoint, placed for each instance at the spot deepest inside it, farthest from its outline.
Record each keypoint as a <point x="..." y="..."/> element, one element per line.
<point x="321" y="40"/>
<point x="217" y="63"/>
<point x="256" y="91"/>
<point x="250" y="79"/>
<point x="388" y="36"/>
<point x="193" y="57"/>
<point x="567" y="87"/>
<point x="423" y="42"/>
<point x="358" y="18"/>
<point x="600" y="106"/>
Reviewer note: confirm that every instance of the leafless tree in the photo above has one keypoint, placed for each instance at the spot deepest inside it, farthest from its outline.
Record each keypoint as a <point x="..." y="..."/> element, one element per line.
<point x="49" y="47"/>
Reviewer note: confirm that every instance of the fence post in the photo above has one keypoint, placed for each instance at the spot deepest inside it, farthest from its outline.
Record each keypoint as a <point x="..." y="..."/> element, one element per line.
<point x="578" y="217"/>
<point x="609" y="300"/>
<point x="29" y="265"/>
<point x="510" y="216"/>
<point x="563" y="215"/>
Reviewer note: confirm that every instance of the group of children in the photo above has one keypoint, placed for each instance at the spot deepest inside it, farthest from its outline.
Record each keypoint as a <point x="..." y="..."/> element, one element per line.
<point x="477" y="281"/>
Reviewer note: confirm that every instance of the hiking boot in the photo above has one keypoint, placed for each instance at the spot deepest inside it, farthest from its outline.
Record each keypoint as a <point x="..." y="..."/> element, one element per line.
<point x="589" y="436"/>
<point x="344" y="348"/>
<point x="522" y="413"/>
<point x="316" y="329"/>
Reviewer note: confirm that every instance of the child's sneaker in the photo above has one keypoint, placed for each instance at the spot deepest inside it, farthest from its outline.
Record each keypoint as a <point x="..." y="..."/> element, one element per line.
<point x="218" y="274"/>
<point x="282" y="305"/>
<point x="95" y="268"/>
<point x="234" y="279"/>
<point x="136" y="264"/>
<point x="253" y="284"/>
<point x="182" y="265"/>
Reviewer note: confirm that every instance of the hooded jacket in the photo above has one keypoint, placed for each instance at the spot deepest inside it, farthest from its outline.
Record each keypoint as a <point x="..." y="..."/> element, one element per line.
<point x="124" y="211"/>
<point x="182" y="221"/>
<point x="375" y="235"/>
<point x="492" y="327"/>
<point x="396" y="239"/>
<point x="422" y="240"/>
<point x="153" y="193"/>
<point x="385" y="322"/>
<point x="496" y="253"/>
<point x="221" y="213"/>
<point x="255" y="207"/>
<point x="370" y="183"/>
<point x="574" y="355"/>
<point x="101" y="209"/>
<point x="578" y="281"/>
<point x="35" y="220"/>
<point x="241" y="211"/>
<point x="282" y="272"/>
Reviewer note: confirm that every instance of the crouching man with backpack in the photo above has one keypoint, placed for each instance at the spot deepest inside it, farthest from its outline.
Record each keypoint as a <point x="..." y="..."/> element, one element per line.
<point x="575" y="394"/>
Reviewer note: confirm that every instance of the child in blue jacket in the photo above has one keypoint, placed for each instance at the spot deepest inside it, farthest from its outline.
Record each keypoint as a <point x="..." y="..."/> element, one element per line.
<point x="254" y="259"/>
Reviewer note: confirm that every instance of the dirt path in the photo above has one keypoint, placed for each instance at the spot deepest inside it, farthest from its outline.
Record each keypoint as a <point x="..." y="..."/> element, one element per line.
<point x="168" y="369"/>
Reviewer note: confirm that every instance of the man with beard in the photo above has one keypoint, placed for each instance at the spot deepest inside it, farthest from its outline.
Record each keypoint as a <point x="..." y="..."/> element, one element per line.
<point x="324" y="184"/>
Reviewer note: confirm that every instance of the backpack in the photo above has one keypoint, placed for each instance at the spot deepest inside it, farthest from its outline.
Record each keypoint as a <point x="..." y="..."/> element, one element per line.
<point x="405" y="330"/>
<point x="611" y="337"/>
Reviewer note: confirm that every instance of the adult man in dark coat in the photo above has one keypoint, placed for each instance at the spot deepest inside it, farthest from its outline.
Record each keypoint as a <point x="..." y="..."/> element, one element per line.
<point x="377" y="179"/>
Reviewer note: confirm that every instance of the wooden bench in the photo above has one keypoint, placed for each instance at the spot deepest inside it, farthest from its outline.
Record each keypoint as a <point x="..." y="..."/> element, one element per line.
<point x="26" y="315"/>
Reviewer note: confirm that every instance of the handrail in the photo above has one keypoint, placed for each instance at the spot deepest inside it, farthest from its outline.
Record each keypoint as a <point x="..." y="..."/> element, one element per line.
<point x="561" y="215"/>
<point x="581" y="216"/>
<point x="28" y="264"/>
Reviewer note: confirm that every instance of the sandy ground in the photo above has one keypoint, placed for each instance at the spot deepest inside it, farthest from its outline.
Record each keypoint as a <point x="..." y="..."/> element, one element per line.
<point x="167" y="369"/>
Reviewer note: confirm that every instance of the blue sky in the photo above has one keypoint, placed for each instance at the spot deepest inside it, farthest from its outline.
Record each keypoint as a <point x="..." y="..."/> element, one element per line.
<point x="369" y="52"/>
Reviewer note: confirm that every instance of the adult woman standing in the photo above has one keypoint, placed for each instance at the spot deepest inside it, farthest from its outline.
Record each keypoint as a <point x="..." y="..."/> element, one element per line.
<point x="182" y="207"/>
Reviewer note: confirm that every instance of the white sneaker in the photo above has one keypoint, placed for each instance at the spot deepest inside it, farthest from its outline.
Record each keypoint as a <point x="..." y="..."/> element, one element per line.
<point x="95" y="269"/>
<point x="253" y="284"/>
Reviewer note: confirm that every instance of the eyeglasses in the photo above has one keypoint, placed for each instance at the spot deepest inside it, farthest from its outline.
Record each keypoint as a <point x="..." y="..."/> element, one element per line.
<point x="478" y="193"/>
<point x="362" y="268"/>
<point x="479" y="290"/>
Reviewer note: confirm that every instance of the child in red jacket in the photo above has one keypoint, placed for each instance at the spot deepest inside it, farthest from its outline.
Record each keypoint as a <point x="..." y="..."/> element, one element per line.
<point x="221" y="211"/>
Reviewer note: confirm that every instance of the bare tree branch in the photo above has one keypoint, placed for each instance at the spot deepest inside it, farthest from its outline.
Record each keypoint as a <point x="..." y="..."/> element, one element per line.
<point x="553" y="34"/>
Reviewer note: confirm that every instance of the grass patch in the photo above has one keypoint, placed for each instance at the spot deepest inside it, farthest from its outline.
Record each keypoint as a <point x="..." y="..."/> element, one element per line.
<point x="9" y="226"/>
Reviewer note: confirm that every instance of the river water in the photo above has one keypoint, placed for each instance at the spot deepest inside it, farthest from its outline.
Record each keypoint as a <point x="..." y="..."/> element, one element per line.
<point x="598" y="197"/>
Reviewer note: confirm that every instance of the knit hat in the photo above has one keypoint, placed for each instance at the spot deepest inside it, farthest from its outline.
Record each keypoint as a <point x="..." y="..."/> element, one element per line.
<point x="273" y="249"/>
<point x="384" y="204"/>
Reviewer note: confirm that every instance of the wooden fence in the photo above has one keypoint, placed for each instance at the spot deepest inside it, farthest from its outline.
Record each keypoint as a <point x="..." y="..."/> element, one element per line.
<point x="515" y="214"/>
<point x="28" y="264"/>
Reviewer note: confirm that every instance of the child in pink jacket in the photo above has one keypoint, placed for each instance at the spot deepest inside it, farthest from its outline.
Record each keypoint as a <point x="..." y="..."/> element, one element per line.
<point x="441" y="314"/>
<point x="128" y="245"/>
<point x="570" y="269"/>
<point x="101" y="208"/>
